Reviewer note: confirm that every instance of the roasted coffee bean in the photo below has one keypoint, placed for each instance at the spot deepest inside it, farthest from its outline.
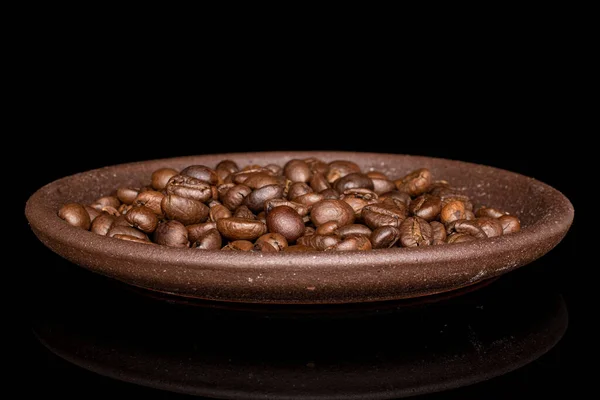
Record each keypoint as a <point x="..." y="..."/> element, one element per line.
<point x="277" y="240"/>
<point x="102" y="224"/>
<point x="439" y="232"/>
<point x="309" y="199"/>
<point x="190" y="188"/>
<point x="171" y="233"/>
<point x="161" y="177"/>
<point x="415" y="231"/>
<point x="217" y="212"/>
<point x="323" y="242"/>
<point x="244" y="212"/>
<point x="127" y="195"/>
<point x="426" y="206"/>
<point x="239" y="245"/>
<point x="465" y="226"/>
<point x="264" y="247"/>
<point x="318" y="182"/>
<point x="241" y="228"/>
<point x="332" y="210"/>
<point x="298" y="248"/>
<point x="201" y="172"/>
<point x="460" y="238"/>
<point x="195" y="231"/>
<point x="152" y="200"/>
<point x="491" y="226"/>
<point x="489" y="212"/>
<point x="213" y="203"/>
<point x="510" y="224"/>
<point x="142" y="218"/>
<point x="361" y="193"/>
<point x="396" y="196"/>
<point x="258" y="180"/>
<point x="130" y="238"/>
<point x="226" y="168"/>
<point x="381" y="186"/>
<point x="317" y="166"/>
<point x="357" y="205"/>
<point x="285" y="221"/>
<point x="301" y="209"/>
<point x="275" y="169"/>
<point x="353" y="243"/>
<point x="339" y="168"/>
<point x="262" y="217"/>
<point x="384" y="214"/>
<point x="304" y="240"/>
<point x="110" y="210"/>
<point x="256" y="200"/>
<point x="298" y="189"/>
<point x="125" y="208"/>
<point x="416" y="183"/>
<point x="92" y="212"/>
<point x="187" y="211"/>
<point x="235" y="196"/>
<point x="126" y="230"/>
<point x="328" y="228"/>
<point x="378" y="175"/>
<point x="452" y="211"/>
<point x="76" y="215"/>
<point x="120" y="221"/>
<point x="353" y="229"/>
<point x="223" y="189"/>
<point x="330" y="194"/>
<point x="309" y="230"/>
<point x="352" y="181"/>
<point x="211" y="240"/>
<point x="297" y="171"/>
<point x="106" y="201"/>
<point x="385" y="237"/>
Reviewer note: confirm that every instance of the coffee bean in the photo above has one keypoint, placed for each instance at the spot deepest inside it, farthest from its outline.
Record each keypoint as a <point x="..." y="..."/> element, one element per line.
<point x="415" y="183"/>
<point x="298" y="189"/>
<point x="330" y="194"/>
<point x="217" y="212"/>
<point x="127" y="195"/>
<point x="187" y="211"/>
<point x="125" y="208"/>
<point x="378" y="175"/>
<point x="110" y="210"/>
<point x="318" y="182"/>
<point x="489" y="212"/>
<point x="353" y="180"/>
<point x="332" y="210"/>
<point x="275" y="169"/>
<point x="323" y="242"/>
<point x="241" y="228"/>
<point x="161" y="177"/>
<point x="76" y="215"/>
<point x="415" y="231"/>
<point x="460" y="238"/>
<point x="439" y="232"/>
<point x="239" y="245"/>
<point x="277" y="240"/>
<point x="244" y="212"/>
<point x="309" y="199"/>
<point x="452" y="211"/>
<point x="385" y="237"/>
<point x="491" y="226"/>
<point x="328" y="228"/>
<point x="142" y="218"/>
<point x="195" y="231"/>
<point x="106" y="201"/>
<point x="256" y="199"/>
<point x="262" y="217"/>
<point x="201" y="172"/>
<point x="130" y="238"/>
<point x="264" y="247"/>
<point x="309" y="230"/>
<point x="285" y="221"/>
<point x="211" y="240"/>
<point x="258" y="180"/>
<point x="384" y="214"/>
<point x="510" y="224"/>
<point x="172" y="234"/>
<point x="190" y="188"/>
<point x="465" y="226"/>
<point x="381" y="186"/>
<point x="102" y="224"/>
<point x="298" y="248"/>
<point x="92" y="212"/>
<point x="152" y="200"/>
<point x="301" y="209"/>
<point x="357" y="205"/>
<point x="126" y="230"/>
<point x="297" y="171"/>
<point x="226" y="168"/>
<point x="426" y="206"/>
<point x="353" y="243"/>
<point x="397" y="197"/>
<point x="339" y="168"/>
<point x="317" y="166"/>
<point x="235" y="196"/>
<point x="353" y="229"/>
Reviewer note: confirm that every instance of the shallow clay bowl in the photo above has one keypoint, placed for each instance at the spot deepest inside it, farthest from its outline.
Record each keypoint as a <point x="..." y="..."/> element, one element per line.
<point x="307" y="278"/>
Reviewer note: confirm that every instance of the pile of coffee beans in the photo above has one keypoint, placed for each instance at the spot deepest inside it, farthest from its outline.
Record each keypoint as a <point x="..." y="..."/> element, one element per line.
<point x="306" y="205"/>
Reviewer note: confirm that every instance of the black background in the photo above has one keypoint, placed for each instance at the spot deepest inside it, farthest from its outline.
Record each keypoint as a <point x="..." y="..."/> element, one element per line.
<point x="510" y="135"/>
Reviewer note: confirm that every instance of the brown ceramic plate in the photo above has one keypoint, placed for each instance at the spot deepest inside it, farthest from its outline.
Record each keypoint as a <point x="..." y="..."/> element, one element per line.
<point x="309" y="278"/>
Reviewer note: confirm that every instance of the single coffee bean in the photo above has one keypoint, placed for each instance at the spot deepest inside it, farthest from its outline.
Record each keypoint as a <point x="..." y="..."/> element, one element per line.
<point x="125" y="208"/>
<point x="328" y="228"/>
<point x="201" y="172"/>
<point x="298" y="189"/>
<point x="161" y="177"/>
<point x="130" y="238"/>
<point x="256" y="199"/>
<point x="330" y="194"/>
<point x="385" y="237"/>
<point x="285" y="221"/>
<point x="235" y="196"/>
<point x="357" y="205"/>
<point x="210" y="240"/>
<point x="297" y="171"/>
<point x="196" y="231"/>
<point x="127" y="195"/>
<point x="317" y="166"/>
<point x="381" y="186"/>
<point x="491" y="226"/>
<point x="439" y="232"/>
<point x="309" y="199"/>
<point x="171" y="233"/>
<point x="106" y="201"/>
<point x="262" y="217"/>
<point x="142" y="218"/>
<point x="415" y="231"/>
<point x="339" y="169"/>
<point x="223" y="189"/>
<point x="244" y="212"/>
<point x="275" y="169"/>
<point x="489" y="212"/>
<point x="217" y="212"/>
<point x="298" y="248"/>
<point x="332" y="210"/>
<point x="187" y="211"/>
<point x="239" y="245"/>
<point x="510" y="224"/>
<point x="323" y="242"/>
<point x="304" y="240"/>
<point x="353" y="243"/>
<point x="452" y="211"/>
<point x="92" y="212"/>
<point x="152" y="200"/>
<point x="190" y="188"/>
<point x="384" y="214"/>
<point x="264" y="247"/>
<point x="226" y="168"/>
<point x="102" y="224"/>
<point x="353" y="180"/>
<point x="258" y="180"/>
<point x="110" y="210"/>
<point x="396" y="196"/>
<point x="361" y="193"/>
<point x="352" y="229"/>
<point x="465" y="226"/>
<point x="379" y="175"/>
<point x="460" y="238"/>
<point x="318" y="182"/>
<point x="212" y="203"/>
<point x="241" y="228"/>
<point x="301" y="209"/>
<point x="120" y="221"/>
<point x="416" y="183"/>
<point x="309" y="230"/>
<point x="277" y="240"/>
<point x="426" y="206"/>
<point x="76" y="215"/>
<point x="126" y="230"/>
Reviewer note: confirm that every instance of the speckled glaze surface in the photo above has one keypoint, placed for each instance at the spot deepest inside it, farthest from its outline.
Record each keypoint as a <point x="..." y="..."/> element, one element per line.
<point x="311" y="278"/>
